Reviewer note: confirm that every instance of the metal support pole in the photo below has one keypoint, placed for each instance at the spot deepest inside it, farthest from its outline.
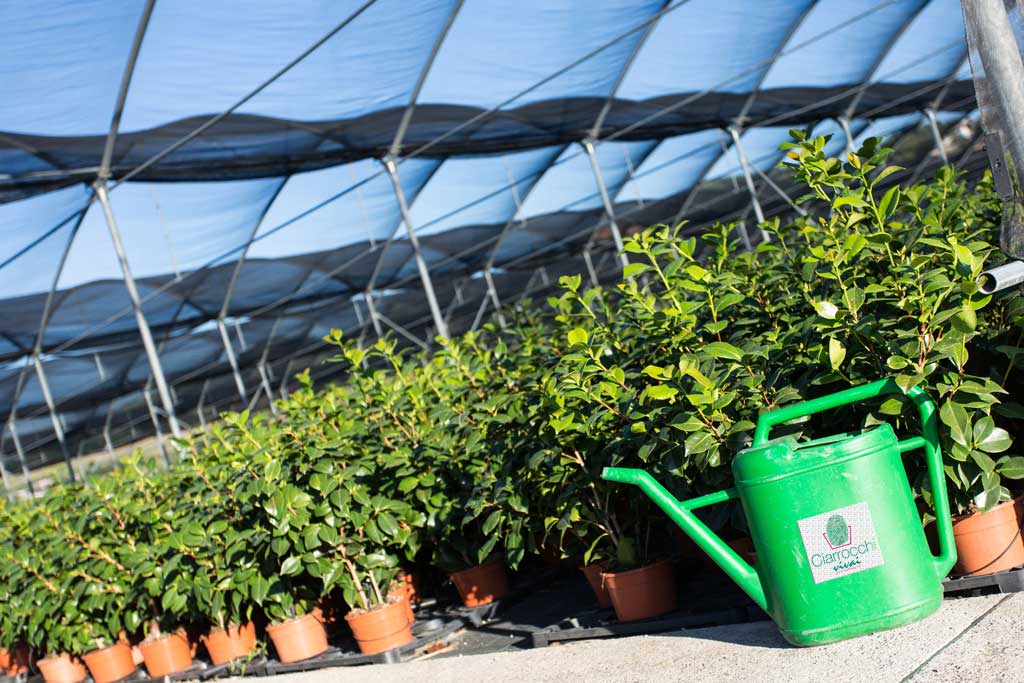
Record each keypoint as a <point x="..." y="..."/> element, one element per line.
<point x="232" y="361"/>
<point x="81" y="465"/>
<point x="140" y="318"/>
<point x="372" y="308"/>
<point x="199" y="403"/>
<point x="590" y="267"/>
<point x="779" y="191"/>
<point x="588" y="146"/>
<point x="992" y="35"/>
<point x="421" y="264"/>
<point x="936" y="135"/>
<point x="58" y="429"/>
<point x="492" y="292"/>
<point x="156" y="426"/>
<point x="7" y="483"/>
<point x="107" y="441"/>
<point x="12" y="428"/>
<point x="844" y="123"/>
<point x="266" y="387"/>
<point x="758" y="212"/>
<point x="284" y="378"/>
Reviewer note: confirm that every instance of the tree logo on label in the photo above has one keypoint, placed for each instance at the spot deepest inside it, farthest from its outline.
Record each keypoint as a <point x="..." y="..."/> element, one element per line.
<point x="837" y="532"/>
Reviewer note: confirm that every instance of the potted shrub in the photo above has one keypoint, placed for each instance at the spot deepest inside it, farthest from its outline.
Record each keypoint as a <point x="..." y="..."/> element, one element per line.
<point x="148" y="514"/>
<point x="262" y="533"/>
<point x="227" y="582"/>
<point x="914" y="274"/>
<point x="96" y="605"/>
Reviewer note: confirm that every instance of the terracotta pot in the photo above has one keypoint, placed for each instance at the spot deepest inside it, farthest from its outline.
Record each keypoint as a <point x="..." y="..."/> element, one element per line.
<point x="989" y="542"/>
<point x="482" y="584"/>
<point x="15" y="661"/>
<point x="593" y="573"/>
<point x="110" y="663"/>
<point x="167" y="655"/>
<point x="404" y="593"/>
<point x="299" y="638"/>
<point x="381" y="629"/>
<point x="227" y="645"/>
<point x="62" y="668"/>
<point x="642" y="593"/>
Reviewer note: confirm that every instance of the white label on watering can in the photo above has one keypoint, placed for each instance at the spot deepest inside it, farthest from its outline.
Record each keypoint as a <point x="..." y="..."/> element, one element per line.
<point x="840" y="542"/>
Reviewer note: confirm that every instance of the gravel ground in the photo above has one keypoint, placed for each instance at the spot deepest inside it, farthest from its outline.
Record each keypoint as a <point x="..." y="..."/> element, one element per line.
<point x="967" y="640"/>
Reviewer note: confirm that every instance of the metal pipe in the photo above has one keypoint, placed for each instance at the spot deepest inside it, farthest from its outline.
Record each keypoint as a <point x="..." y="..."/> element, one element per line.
<point x="232" y="361"/>
<point x="1001" y="277"/>
<point x="58" y="428"/>
<point x="421" y="264"/>
<point x="936" y="135"/>
<point x="140" y="317"/>
<point x="588" y="146"/>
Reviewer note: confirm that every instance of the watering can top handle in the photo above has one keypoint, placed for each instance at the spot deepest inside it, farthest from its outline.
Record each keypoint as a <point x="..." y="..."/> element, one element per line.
<point x="865" y="392"/>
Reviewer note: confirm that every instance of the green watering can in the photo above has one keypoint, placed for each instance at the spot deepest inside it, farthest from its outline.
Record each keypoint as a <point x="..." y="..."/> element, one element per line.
<point x="840" y="547"/>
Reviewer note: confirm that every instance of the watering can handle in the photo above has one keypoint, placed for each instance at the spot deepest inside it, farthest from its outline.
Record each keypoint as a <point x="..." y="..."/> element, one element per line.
<point x="929" y="441"/>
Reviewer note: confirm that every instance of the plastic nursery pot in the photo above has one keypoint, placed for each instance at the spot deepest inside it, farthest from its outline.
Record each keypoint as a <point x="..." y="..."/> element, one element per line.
<point x="381" y="629"/>
<point x="234" y="642"/>
<point x="989" y="542"/>
<point x="110" y="664"/>
<point x="482" y="584"/>
<point x="593" y="573"/>
<point x="62" y="668"/>
<point x="16" y="661"/>
<point x="299" y="638"/>
<point x="642" y="593"/>
<point x="166" y="655"/>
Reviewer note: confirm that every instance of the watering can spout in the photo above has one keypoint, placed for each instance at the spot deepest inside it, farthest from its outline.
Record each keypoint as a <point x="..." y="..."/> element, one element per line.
<point x="681" y="513"/>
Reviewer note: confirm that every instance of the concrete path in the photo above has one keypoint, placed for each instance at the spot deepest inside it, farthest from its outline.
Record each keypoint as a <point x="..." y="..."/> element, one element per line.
<point x="971" y="639"/>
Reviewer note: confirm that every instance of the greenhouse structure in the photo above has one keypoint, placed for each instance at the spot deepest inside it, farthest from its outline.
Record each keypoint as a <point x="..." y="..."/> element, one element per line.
<point x="336" y="334"/>
<point x="192" y="196"/>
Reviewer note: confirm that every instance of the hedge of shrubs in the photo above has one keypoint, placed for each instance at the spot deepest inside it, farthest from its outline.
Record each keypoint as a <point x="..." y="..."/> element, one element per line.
<point x="494" y="444"/>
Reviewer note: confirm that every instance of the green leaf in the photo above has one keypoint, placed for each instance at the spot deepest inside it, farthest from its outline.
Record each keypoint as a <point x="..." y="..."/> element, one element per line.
<point x="292" y="565"/>
<point x="826" y="309"/>
<point x="578" y="336"/>
<point x="661" y="392"/>
<point x="491" y="522"/>
<point x="1011" y="467"/>
<point x="996" y="441"/>
<point x="836" y="352"/>
<point x="633" y="269"/>
<point x="723" y="350"/>
<point x="955" y="417"/>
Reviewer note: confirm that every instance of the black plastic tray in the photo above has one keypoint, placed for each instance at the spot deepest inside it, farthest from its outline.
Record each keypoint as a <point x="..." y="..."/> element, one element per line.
<point x="1009" y="581"/>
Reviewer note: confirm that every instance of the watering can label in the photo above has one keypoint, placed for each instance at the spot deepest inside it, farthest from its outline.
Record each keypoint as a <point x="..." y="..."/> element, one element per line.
<point x="840" y="542"/>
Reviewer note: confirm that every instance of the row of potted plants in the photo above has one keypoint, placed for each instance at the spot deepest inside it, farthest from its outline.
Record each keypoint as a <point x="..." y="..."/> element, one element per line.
<point x="490" y="449"/>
